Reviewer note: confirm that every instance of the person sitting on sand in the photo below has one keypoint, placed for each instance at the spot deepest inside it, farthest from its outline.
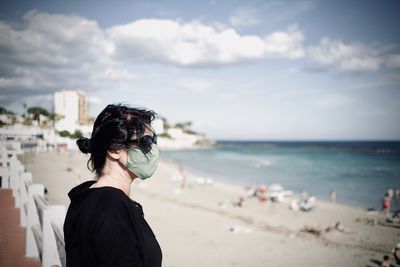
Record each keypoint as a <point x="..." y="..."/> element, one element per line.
<point x="338" y="227"/>
<point x="304" y="195"/>
<point x="385" y="261"/>
<point x="312" y="230"/>
<point x="396" y="216"/>
<point x="308" y="204"/>
<point x="252" y="191"/>
<point x="396" y="253"/>
<point x="341" y="228"/>
<point x="239" y="202"/>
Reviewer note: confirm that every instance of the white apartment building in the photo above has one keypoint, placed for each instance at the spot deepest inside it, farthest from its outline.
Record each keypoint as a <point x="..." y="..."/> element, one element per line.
<point x="158" y="125"/>
<point x="73" y="106"/>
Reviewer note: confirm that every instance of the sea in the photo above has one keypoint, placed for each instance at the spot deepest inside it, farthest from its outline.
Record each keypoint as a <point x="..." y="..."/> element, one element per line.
<point x="360" y="172"/>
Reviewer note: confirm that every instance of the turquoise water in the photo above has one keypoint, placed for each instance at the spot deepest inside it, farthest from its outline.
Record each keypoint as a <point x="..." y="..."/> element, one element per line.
<point x="359" y="172"/>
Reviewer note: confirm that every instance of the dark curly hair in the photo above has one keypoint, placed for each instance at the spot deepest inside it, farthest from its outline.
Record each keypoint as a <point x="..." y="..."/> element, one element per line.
<point x="112" y="130"/>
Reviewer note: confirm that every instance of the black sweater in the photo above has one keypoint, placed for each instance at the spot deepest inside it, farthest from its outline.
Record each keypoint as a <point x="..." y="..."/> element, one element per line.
<point x="104" y="227"/>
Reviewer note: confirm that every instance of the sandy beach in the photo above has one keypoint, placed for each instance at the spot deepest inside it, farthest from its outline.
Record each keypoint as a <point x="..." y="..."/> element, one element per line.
<point x="197" y="226"/>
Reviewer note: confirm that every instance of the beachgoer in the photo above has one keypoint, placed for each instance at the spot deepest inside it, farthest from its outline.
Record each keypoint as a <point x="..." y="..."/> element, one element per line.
<point x="308" y="204"/>
<point x="261" y="193"/>
<point x="252" y="191"/>
<point x="103" y="225"/>
<point x="396" y="216"/>
<point x="396" y="253"/>
<point x="386" y="203"/>
<point x="183" y="180"/>
<point x="315" y="230"/>
<point x="239" y="202"/>
<point x="304" y="195"/>
<point x="385" y="261"/>
<point x="397" y="193"/>
<point x="333" y="196"/>
<point x="390" y="192"/>
<point x="341" y="228"/>
<point x="338" y="227"/>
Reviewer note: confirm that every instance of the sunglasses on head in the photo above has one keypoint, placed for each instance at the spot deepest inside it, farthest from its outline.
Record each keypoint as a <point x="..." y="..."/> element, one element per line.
<point x="144" y="142"/>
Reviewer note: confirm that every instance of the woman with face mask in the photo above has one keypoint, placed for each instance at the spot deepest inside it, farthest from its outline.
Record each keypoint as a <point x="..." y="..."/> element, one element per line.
<point x="103" y="225"/>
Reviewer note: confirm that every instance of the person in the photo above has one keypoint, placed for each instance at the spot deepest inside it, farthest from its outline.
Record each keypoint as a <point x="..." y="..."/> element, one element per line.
<point x="396" y="253"/>
<point x="386" y="204"/>
<point x="239" y="202"/>
<point x="385" y="261"/>
<point x="390" y="192"/>
<point x="103" y="225"/>
<point x="308" y="204"/>
<point x="396" y="216"/>
<point x="333" y="196"/>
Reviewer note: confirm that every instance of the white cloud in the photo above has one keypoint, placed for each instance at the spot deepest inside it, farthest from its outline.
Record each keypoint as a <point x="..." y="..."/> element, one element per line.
<point x="50" y="52"/>
<point x="336" y="55"/>
<point x="195" y="44"/>
<point x="285" y="44"/>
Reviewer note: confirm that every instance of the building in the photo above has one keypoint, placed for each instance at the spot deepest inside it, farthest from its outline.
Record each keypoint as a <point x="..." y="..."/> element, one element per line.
<point x="73" y="106"/>
<point x="158" y="125"/>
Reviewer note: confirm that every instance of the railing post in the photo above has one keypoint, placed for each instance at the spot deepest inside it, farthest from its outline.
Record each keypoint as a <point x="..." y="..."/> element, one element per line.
<point x="51" y="256"/>
<point x="26" y="180"/>
<point x="5" y="177"/>
<point x="31" y="249"/>
<point x="15" y="168"/>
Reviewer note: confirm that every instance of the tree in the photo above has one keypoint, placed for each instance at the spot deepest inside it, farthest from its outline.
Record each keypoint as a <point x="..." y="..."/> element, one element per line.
<point x="77" y="134"/>
<point x="36" y="112"/>
<point x="53" y="117"/>
<point x="5" y="111"/>
<point x="64" y="133"/>
<point x="184" y="125"/>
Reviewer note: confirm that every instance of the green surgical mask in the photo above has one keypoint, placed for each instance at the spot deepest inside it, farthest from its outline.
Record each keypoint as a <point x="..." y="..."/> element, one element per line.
<point x="143" y="165"/>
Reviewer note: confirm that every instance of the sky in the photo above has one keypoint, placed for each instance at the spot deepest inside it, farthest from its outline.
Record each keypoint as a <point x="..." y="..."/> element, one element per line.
<point x="238" y="70"/>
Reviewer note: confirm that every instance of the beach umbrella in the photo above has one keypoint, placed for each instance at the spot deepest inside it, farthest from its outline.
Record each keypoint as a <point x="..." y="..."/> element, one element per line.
<point x="275" y="188"/>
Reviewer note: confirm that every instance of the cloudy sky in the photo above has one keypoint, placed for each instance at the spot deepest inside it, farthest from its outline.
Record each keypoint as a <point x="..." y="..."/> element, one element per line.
<point x="236" y="69"/>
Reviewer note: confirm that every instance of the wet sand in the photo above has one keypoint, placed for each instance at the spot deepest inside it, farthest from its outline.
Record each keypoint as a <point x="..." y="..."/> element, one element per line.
<point x="193" y="230"/>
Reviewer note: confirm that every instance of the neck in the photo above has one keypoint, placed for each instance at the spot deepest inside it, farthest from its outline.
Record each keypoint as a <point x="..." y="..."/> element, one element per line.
<point x="118" y="181"/>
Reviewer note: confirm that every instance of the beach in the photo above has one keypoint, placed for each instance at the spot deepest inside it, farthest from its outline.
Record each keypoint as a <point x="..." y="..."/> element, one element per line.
<point x="196" y="225"/>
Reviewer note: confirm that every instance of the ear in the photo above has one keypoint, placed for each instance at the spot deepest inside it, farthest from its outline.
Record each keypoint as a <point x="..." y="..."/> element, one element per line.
<point x="114" y="154"/>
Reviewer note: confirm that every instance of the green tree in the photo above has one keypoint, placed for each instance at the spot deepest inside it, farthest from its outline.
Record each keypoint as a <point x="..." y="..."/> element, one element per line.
<point x="36" y="112"/>
<point x="5" y="111"/>
<point x="184" y="125"/>
<point x="53" y="117"/>
<point x="64" y="133"/>
<point x="77" y="134"/>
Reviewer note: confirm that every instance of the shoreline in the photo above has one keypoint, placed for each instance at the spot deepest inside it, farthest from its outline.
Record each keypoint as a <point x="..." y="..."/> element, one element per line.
<point x="227" y="182"/>
<point x="193" y="214"/>
<point x="366" y="191"/>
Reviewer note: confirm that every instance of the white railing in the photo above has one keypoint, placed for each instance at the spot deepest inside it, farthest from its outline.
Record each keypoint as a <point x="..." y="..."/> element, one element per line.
<point x="43" y="222"/>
